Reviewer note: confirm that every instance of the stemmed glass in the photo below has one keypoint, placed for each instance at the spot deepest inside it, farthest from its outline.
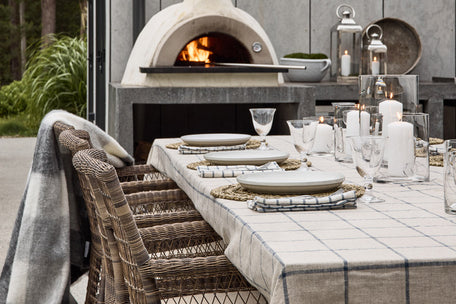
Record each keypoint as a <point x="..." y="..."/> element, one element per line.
<point x="303" y="134"/>
<point x="262" y="122"/>
<point x="367" y="152"/>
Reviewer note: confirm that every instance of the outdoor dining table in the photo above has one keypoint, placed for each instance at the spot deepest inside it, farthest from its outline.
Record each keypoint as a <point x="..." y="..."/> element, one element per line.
<point x="400" y="251"/>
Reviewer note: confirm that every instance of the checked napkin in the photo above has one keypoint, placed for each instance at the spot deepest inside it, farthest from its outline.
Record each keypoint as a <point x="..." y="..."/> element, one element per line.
<point x="233" y="171"/>
<point x="303" y="203"/>
<point x="184" y="149"/>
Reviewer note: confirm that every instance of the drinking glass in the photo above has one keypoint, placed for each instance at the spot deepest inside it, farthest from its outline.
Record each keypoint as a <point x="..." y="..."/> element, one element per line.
<point x="449" y="176"/>
<point x="367" y="152"/>
<point x="303" y="133"/>
<point x="262" y="122"/>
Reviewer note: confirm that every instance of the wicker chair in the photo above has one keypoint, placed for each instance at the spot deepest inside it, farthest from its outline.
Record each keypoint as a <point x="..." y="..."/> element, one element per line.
<point x="156" y="206"/>
<point x="150" y="275"/>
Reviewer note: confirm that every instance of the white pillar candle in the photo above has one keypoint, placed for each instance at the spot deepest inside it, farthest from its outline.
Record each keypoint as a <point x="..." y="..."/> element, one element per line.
<point x="375" y="66"/>
<point x="345" y="64"/>
<point x="324" y="138"/>
<point x="390" y="109"/>
<point x="352" y="123"/>
<point x="364" y="123"/>
<point x="401" y="154"/>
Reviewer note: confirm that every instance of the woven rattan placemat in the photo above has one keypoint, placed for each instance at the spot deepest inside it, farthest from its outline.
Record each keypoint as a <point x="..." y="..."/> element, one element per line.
<point x="251" y="144"/>
<point x="435" y="141"/>
<point x="237" y="193"/>
<point x="289" y="164"/>
<point x="436" y="160"/>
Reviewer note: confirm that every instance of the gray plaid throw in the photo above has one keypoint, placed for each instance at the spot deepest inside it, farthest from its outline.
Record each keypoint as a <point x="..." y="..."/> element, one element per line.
<point x="304" y="203"/>
<point x="37" y="266"/>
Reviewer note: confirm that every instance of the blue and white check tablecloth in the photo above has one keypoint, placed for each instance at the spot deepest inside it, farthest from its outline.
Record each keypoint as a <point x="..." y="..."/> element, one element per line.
<point x="399" y="251"/>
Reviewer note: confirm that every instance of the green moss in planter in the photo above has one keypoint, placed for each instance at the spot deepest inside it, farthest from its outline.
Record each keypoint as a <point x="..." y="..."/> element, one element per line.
<point x="306" y="56"/>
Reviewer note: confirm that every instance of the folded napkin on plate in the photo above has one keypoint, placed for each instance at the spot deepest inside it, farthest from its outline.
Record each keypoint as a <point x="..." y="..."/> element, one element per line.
<point x="302" y="203"/>
<point x="233" y="171"/>
<point x="184" y="149"/>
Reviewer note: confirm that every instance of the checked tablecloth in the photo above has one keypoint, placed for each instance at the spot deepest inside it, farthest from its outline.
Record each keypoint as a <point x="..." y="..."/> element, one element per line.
<point x="399" y="251"/>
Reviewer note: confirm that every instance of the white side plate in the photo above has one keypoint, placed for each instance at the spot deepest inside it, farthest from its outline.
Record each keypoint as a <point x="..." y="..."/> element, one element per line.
<point x="293" y="182"/>
<point x="246" y="157"/>
<point x="215" y="139"/>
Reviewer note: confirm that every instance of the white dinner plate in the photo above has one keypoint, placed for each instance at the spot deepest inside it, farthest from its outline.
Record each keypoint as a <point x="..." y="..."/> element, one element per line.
<point x="246" y="157"/>
<point x="215" y="139"/>
<point x="293" y="182"/>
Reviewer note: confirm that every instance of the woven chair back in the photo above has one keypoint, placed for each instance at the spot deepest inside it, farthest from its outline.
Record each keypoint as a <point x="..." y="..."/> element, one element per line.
<point x="117" y="220"/>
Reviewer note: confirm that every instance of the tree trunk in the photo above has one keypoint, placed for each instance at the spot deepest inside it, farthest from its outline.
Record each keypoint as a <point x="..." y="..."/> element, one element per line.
<point x="48" y="8"/>
<point x="14" y="63"/>
<point x="23" y="35"/>
<point x="83" y="7"/>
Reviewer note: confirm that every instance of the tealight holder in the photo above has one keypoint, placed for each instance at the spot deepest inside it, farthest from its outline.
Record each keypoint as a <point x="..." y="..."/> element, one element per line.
<point x="406" y="155"/>
<point x="324" y="136"/>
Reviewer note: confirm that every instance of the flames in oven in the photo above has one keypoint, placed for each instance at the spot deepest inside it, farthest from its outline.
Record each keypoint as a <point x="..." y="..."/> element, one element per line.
<point x="213" y="47"/>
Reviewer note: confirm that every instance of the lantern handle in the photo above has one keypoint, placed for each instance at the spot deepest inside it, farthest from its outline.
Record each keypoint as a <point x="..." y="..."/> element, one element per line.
<point x="346" y="6"/>
<point x="377" y="26"/>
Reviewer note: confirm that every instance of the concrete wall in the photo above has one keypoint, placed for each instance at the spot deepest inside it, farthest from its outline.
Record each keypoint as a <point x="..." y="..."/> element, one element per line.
<point x="304" y="25"/>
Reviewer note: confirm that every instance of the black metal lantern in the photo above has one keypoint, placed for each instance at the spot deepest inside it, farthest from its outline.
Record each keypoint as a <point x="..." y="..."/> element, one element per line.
<point x="345" y="46"/>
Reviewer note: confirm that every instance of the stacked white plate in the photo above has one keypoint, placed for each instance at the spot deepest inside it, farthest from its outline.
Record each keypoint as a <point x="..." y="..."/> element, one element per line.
<point x="215" y="139"/>
<point x="293" y="182"/>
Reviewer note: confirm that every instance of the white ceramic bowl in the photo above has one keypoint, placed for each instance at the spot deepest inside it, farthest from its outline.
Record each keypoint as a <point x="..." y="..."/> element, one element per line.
<point x="316" y="69"/>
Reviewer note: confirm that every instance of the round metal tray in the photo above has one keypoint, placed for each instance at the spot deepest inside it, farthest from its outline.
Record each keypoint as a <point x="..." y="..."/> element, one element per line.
<point x="403" y="42"/>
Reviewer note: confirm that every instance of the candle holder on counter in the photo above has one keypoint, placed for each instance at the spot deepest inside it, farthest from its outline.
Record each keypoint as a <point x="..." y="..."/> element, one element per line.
<point x="406" y="155"/>
<point x="402" y="88"/>
<point x="345" y="46"/>
<point x="374" y="57"/>
<point x="323" y="144"/>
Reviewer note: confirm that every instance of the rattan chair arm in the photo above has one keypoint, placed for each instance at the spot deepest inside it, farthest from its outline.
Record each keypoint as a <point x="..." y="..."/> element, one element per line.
<point x="148" y="185"/>
<point x="178" y="231"/>
<point x="149" y="220"/>
<point x="136" y="170"/>
<point x="148" y="197"/>
<point x="210" y="266"/>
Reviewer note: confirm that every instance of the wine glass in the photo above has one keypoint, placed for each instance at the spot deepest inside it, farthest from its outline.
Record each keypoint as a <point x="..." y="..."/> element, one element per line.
<point x="367" y="153"/>
<point x="262" y="122"/>
<point x="303" y="133"/>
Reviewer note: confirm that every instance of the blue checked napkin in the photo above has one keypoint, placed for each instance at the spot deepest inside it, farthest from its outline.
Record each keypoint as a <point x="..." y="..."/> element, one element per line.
<point x="184" y="149"/>
<point x="303" y="203"/>
<point x="233" y="171"/>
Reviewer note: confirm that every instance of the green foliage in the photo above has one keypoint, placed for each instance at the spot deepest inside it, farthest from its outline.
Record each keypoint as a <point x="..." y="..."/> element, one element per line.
<point x="15" y="127"/>
<point x="306" y="56"/>
<point x="13" y="99"/>
<point x="56" y="79"/>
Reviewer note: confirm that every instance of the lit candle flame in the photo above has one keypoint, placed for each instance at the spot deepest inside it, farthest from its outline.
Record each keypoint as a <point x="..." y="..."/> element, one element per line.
<point x="346" y="52"/>
<point x="321" y="119"/>
<point x="391" y="95"/>
<point x="375" y="58"/>
<point x="363" y="107"/>
<point x="399" y="116"/>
